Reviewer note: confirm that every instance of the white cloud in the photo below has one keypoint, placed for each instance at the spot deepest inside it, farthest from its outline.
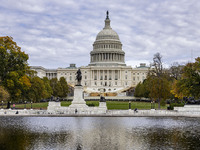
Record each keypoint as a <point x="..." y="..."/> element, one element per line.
<point x="57" y="33"/>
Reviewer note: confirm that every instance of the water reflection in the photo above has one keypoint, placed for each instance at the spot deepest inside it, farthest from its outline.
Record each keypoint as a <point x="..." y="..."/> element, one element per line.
<point x="99" y="133"/>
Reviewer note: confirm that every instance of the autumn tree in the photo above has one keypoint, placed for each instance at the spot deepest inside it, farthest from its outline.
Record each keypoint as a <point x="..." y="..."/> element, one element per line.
<point x="13" y="68"/>
<point x="189" y="84"/>
<point x="11" y="58"/>
<point x="4" y="95"/>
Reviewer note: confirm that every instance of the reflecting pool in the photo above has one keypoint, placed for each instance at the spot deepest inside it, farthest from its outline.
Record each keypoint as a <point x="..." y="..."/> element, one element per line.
<point x="103" y="133"/>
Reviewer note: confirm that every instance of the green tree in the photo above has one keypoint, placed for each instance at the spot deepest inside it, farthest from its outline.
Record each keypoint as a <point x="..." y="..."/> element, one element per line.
<point x="48" y="89"/>
<point x="53" y="84"/>
<point x="137" y="90"/>
<point x="37" y="90"/>
<point x="62" y="88"/>
<point x="59" y="88"/>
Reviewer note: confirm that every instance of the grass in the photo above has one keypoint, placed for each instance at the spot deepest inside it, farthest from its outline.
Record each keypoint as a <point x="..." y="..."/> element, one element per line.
<point x="125" y="105"/>
<point x="65" y="103"/>
<point x="110" y="105"/>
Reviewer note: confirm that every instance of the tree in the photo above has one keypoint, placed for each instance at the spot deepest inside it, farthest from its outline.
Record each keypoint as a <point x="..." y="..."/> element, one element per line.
<point x="137" y="92"/>
<point x="176" y="70"/>
<point x="158" y="80"/>
<point x="53" y="84"/>
<point x="141" y="90"/>
<point x="59" y="88"/>
<point x="189" y="84"/>
<point x="11" y="58"/>
<point x="17" y="85"/>
<point x="24" y="85"/>
<point x="37" y="90"/>
<point x="13" y="68"/>
<point x="157" y="65"/>
<point x="48" y="89"/>
<point x="4" y="95"/>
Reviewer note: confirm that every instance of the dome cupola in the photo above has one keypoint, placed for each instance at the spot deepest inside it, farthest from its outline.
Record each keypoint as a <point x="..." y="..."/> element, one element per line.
<point x="107" y="48"/>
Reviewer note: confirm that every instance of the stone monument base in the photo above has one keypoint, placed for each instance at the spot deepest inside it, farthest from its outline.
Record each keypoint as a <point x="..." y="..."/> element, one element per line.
<point x="78" y="101"/>
<point x="54" y="105"/>
<point x="78" y="105"/>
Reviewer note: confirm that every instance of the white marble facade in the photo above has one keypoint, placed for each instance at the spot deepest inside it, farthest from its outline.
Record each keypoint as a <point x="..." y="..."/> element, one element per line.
<point x="107" y="68"/>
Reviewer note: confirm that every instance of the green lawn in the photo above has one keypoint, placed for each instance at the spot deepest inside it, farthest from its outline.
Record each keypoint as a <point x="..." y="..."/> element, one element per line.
<point x="110" y="105"/>
<point x="34" y="106"/>
<point x="125" y="105"/>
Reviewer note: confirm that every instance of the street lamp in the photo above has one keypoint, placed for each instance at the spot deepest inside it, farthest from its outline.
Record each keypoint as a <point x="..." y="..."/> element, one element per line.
<point x="129" y="104"/>
<point x="1" y="104"/>
<point x="25" y="105"/>
<point x="151" y="104"/>
<point x="31" y="104"/>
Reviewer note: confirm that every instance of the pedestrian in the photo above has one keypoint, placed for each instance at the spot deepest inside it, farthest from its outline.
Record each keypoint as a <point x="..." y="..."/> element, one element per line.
<point x="13" y="106"/>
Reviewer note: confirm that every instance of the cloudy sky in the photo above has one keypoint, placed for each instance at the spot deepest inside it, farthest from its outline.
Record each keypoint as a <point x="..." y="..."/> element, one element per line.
<point x="56" y="33"/>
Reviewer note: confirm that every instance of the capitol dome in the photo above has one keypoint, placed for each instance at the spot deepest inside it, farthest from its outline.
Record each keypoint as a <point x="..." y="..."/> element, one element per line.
<point x="107" y="48"/>
<point x="107" y="33"/>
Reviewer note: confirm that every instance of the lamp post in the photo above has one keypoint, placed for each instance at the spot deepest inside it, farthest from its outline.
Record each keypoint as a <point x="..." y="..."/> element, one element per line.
<point x="129" y="104"/>
<point x="25" y="105"/>
<point x="31" y="105"/>
<point x="151" y="104"/>
<point x="1" y="104"/>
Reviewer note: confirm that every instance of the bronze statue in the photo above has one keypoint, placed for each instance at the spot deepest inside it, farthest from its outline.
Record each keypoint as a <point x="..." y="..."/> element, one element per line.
<point x="78" y="77"/>
<point x="107" y="15"/>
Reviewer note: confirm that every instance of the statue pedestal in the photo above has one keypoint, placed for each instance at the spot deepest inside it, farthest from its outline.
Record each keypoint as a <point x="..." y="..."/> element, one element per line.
<point x="54" y="105"/>
<point x="78" y="101"/>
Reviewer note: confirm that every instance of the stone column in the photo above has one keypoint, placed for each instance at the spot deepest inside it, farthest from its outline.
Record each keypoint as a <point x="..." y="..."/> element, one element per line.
<point x="97" y="74"/>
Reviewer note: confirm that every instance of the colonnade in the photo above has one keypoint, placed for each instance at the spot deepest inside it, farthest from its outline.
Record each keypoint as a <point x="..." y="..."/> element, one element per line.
<point x="50" y="75"/>
<point x="108" y="46"/>
<point x="105" y="74"/>
<point x="107" y="57"/>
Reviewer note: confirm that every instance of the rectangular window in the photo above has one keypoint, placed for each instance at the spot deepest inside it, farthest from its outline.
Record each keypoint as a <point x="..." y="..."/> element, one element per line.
<point x="105" y="77"/>
<point x="101" y="78"/>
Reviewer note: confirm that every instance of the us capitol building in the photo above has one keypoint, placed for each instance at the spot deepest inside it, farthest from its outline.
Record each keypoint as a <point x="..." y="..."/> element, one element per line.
<point x="107" y="69"/>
